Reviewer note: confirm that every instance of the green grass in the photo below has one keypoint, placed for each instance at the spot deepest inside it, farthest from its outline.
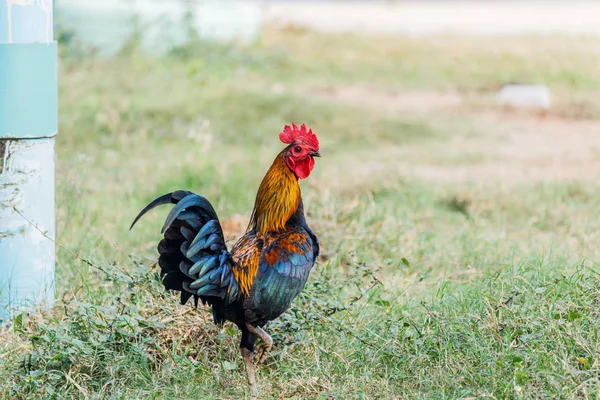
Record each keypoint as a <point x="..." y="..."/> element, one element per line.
<point x="433" y="288"/>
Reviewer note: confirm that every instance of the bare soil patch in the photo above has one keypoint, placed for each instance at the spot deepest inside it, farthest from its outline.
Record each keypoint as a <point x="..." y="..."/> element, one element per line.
<point x="513" y="145"/>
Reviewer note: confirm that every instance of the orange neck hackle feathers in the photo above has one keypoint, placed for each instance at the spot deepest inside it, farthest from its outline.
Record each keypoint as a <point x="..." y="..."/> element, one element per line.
<point x="278" y="196"/>
<point x="277" y="199"/>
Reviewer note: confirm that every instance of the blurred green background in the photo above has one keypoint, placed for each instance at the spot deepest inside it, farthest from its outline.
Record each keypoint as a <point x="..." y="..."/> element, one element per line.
<point x="460" y="238"/>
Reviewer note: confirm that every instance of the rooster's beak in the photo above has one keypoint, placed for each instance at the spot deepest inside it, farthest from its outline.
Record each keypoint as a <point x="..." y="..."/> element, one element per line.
<point x="315" y="154"/>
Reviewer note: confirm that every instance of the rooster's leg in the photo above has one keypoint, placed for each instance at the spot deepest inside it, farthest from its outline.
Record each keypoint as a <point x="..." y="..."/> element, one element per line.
<point x="266" y="342"/>
<point x="248" y="357"/>
<point x="247" y="348"/>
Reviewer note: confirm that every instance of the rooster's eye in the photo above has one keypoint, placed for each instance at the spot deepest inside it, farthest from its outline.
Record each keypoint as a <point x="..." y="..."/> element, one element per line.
<point x="297" y="149"/>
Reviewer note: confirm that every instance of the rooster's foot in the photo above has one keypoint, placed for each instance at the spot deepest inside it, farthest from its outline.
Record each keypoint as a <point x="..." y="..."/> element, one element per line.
<point x="266" y="343"/>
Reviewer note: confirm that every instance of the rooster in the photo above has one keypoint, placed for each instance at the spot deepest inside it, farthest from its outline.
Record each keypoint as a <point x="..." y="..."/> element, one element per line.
<point x="257" y="280"/>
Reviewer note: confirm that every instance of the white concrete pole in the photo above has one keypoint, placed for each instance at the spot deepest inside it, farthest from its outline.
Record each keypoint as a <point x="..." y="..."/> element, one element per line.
<point x="28" y="124"/>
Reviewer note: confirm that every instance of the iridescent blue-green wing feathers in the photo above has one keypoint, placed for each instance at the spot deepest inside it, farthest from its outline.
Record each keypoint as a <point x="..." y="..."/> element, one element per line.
<point x="283" y="271"/>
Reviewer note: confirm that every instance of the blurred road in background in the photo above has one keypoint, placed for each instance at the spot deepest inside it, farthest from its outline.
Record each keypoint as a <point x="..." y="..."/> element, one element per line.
<point x="435" y="17"/>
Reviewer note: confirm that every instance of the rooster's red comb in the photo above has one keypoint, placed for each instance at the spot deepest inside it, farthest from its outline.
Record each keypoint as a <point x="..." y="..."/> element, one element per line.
<point x="294" y="134"/>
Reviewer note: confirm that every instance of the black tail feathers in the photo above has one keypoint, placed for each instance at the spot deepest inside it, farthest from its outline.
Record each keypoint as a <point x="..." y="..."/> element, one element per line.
<point x="193" y="255"/>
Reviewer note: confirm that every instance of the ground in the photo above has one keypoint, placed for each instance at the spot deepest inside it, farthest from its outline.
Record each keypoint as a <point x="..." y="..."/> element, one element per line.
<point x="460" y="243"/>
